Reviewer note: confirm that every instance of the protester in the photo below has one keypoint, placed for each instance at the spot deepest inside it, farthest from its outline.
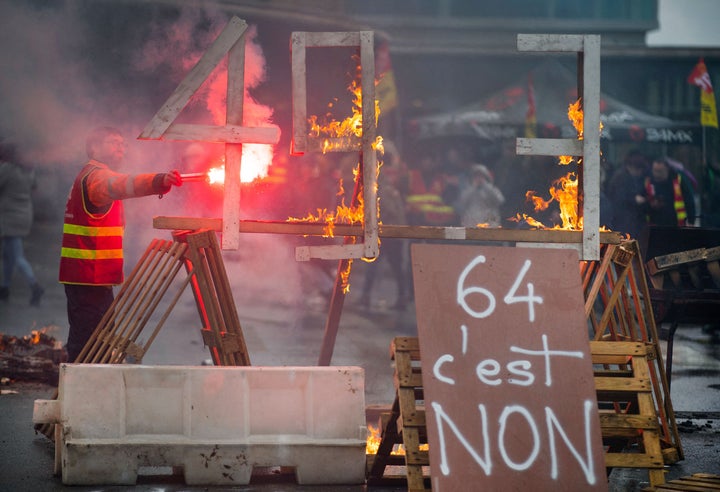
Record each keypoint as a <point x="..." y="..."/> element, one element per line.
<point x="668" y="198"/>
<point x="16" y="217"/>
<point x="427" y="202"/>
<point x="625" y="191"/>
<point x="91" y="260"/>
<point x="479" y="203"/>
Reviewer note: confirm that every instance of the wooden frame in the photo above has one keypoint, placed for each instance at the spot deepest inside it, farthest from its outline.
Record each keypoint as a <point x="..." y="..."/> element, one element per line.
<point x="302" y="142"/>
<point x="587" y="48"/>
<point x="230" y="41"/>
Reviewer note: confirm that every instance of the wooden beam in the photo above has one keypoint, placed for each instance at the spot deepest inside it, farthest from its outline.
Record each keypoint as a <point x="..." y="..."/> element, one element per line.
<point x="331" y="39"/>
<point x="223" y="134"/>
<point x="549" y="146"/>
<point x="299" y="93"/>
<point x="369" y="154"/>
<point x="387" y="231"/>
<point x="591" y="146"/>
<point x="233" y="31"/>
<point x="233" y="151"/>
<point x="550" y="42"/>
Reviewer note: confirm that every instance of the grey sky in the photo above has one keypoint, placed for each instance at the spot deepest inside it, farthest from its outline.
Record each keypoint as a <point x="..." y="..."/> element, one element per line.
<point x="687" y="23"/>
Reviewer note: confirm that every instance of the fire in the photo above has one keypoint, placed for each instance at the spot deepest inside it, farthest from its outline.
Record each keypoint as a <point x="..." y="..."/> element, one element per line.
<point x="373" y="443"/>
<point x="565" y="190"/>
<point x="349" y="127"/>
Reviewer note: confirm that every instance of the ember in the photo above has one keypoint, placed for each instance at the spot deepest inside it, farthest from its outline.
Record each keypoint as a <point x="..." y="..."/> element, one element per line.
<point x="32" y="357"/>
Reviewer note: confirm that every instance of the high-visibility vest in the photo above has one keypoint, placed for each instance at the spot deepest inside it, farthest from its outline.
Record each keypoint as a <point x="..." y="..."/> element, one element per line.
<point x="92" y="244"/>
<point x="427" y="200"/>
<point x="678" y="200"/>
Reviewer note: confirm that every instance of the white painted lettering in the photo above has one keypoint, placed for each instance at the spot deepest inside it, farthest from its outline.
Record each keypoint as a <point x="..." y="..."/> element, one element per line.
<point x="438" y="364"/>
<point x="586" y="464"/>
<point x="509" y="410"/>
<point x="488" y="368"/>
<point x="440" y="417"/>
<point x="547" y="353"/>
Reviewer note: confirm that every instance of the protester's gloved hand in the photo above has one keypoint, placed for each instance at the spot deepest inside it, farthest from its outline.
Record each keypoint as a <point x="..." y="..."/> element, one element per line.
<point x="172" y="178"/>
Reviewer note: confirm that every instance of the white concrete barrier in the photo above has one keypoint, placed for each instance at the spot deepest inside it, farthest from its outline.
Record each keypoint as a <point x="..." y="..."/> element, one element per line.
<point x="217" y="423"/>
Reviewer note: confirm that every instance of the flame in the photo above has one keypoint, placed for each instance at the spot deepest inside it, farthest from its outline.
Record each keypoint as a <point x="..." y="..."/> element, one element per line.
<point x="564" y="190"/>
<point x="352" y="126"/>
<point x="373" y="443"/>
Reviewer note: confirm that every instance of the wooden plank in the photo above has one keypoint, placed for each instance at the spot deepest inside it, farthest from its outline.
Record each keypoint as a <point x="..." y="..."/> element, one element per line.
<point x="631" y="460"/>
<point x="619" y="348"/>
<point x="612" y="421"/>
<point x="223" y="134"/>
<point x="549" y="146"/>
<point x="233" y="152"/>
<point x="330" y="252"/>
<point x="299" y="93"/>
<point x="234" y="29"/>
<point x="591" y="147"/>
<point x="369" y="154"/>
<point x="673" y="260"/>
<point x="406" y="344"/>
<point x="386" y="230"/>
<point x="331" y="39"/>
<point x="550" y="42"/>
<point x="633" y="385"/>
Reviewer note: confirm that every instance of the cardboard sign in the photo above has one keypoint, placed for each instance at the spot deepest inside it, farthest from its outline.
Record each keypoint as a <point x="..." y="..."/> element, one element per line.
<point x="509" y="390"/>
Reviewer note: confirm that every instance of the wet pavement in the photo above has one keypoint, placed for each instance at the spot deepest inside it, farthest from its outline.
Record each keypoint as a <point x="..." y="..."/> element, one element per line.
<point x="282" y="311"/>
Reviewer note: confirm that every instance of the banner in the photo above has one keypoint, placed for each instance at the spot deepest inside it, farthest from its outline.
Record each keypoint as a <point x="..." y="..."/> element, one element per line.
<point x="701" y="78"/>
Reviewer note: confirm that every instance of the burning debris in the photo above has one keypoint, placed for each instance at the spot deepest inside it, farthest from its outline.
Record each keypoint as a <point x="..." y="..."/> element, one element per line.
<point x="33" y="357"/>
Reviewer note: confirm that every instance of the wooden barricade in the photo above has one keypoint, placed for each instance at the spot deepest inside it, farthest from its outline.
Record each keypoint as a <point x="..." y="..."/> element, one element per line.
<point x="624" y="390"/>
<point x="221" y="330"/>
<point x="619" y="309"/>
<point x="405" y="423"/>
<point x="627" y="409"/>
<point x="116" y="338"/>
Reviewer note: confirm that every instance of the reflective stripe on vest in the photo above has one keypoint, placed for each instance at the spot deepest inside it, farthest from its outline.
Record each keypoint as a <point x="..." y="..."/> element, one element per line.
<point x="679" y="202"/>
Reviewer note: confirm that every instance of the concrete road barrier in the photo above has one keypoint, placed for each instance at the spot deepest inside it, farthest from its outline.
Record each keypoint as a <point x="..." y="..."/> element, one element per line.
<point x="217" y="423"/>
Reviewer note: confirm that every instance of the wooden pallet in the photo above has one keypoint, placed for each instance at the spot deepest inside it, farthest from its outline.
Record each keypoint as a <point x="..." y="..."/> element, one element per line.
<point x="629" y="424"/>
<point x="405" y="423"/>
<point x="628" y="420"/>
<point x="221" y="330"/>
<point x="618" y="308"/>
<point x="697" y="482"/>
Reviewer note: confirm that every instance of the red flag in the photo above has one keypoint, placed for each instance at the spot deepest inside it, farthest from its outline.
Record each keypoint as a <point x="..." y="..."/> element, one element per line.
<point x="701" y="78"/>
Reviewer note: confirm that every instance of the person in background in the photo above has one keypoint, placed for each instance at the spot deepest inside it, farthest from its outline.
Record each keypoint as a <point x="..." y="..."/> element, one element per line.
<point x="668" y="198"/>
<point x="91" y="258"/>
<point x="16" y="217"/>
<point x="427" y="201"/>
<point x="479" y="203"/>
<point x="625" y="191"/>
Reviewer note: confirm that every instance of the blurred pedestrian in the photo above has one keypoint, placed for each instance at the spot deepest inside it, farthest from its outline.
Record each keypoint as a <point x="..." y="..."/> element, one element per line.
<point x="668" y="198"/>
<point x="626" y="193"/>
<point x="16" y="217"/>
<point x="479" y="203"/>
<point x="427" y="202"/>
<point x="91" y="260"/>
